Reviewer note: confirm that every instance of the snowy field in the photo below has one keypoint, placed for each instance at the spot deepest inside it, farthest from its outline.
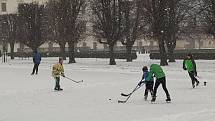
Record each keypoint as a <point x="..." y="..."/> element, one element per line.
<point x="31" y="98"/>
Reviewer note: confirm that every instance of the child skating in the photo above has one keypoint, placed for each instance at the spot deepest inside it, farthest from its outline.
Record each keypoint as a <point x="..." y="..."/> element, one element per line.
<point x="58" y="71"/>
<point x="148" y="84"/>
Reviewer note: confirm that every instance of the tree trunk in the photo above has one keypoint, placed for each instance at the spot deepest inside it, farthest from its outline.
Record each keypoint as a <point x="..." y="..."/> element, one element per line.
<point x="12" y="50"/>
<point x="128" y="53"/>
<point x="71" y="52"/>
<point x="171" y="55"/>
<point x="171" y="37"/>
<point x="163" y="55"/>
<point x="112" y="59"/>
<point x="62" y="51"/>
<point x="171" y="44"/>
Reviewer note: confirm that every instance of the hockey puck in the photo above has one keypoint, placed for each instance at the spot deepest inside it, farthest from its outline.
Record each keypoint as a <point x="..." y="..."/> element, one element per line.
<point x="109" y="99"/>
<point x="205" y="83"/>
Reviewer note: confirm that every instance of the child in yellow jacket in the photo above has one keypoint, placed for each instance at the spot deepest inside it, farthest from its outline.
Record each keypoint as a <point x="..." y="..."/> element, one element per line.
<point x="57" y="71"/>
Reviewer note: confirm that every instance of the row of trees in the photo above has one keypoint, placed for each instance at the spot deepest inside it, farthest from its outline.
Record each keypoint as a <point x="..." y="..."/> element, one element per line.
<point x="64" y="21"/>
<point x="60" y="21"/>
<point x="163" y="20"/>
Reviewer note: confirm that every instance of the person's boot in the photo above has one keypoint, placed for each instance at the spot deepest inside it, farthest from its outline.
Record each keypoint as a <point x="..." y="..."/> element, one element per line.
<point x="197" y="83"/>
<point x="153" y="98"/>
<point x="193" y="85"/>
<point x="60" y="89"/>
<point x="168" y="99"/>
<point x="145" y="97"/>
<point x="56" y="89"/>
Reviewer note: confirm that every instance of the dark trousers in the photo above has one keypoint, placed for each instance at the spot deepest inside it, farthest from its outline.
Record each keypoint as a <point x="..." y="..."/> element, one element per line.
<point x="149" y="88"/>
<point x="57" y="82"/>
<point x="35" y="68"/>
<point x="163" y="82"/>
<point x="193" y="78"/>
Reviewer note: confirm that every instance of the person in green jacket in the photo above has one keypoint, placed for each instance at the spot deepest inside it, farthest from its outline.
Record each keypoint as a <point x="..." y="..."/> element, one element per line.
<point x="157" y="71"/>
<point x="190" y="65"/>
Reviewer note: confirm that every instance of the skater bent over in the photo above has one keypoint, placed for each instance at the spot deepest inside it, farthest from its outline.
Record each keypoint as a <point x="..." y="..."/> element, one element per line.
<point x="36" y="60"/>
<point x="58" y="71"/>
<point x="190" y="65"/>
<point x="157" y="71"/>
<point x="149" y="84"/>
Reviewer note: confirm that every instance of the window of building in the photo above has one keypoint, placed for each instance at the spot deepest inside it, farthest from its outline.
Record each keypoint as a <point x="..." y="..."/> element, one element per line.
<point x="84" y="44"/>
<point x="94" y="45"/>
<point x="3" y="7"/>
<point x="140" y="44"/>
<point x="20" y="1"/>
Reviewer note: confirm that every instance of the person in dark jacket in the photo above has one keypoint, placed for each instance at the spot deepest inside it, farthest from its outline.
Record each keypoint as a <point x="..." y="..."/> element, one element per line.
<point x="190" y="65"/>
<point x="157" y="71"/>
<point x="149" y="84"/>
<point x="36" y="60"/>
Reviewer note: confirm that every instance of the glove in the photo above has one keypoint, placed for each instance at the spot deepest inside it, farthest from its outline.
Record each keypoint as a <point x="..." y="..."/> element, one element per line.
<point x="184" y="68"/>
<point x="63" y="75"/>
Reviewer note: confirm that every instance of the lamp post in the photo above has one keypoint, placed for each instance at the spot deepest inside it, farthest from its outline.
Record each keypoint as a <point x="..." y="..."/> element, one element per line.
<point x="4" y="36"/>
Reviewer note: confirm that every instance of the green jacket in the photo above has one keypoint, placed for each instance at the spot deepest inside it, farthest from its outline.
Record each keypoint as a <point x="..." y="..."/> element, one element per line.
<point x="155" y="70"/>
<point x="189" y="65"/>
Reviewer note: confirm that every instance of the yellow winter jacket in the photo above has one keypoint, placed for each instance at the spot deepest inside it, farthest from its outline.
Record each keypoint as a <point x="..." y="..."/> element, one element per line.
<point x="57" y="70"/>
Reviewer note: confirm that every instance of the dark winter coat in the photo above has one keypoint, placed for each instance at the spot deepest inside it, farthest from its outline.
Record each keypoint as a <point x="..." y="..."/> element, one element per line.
<point x="36" y="58"/>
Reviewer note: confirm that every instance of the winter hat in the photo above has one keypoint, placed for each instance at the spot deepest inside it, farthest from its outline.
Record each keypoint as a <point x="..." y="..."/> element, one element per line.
<point x="145" y="68"/>
<point x="60" y="58"/>
<point x="190" y="55"/>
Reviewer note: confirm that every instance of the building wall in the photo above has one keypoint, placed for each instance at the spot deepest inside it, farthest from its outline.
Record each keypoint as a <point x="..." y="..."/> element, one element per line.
<point x="11" y="5"/>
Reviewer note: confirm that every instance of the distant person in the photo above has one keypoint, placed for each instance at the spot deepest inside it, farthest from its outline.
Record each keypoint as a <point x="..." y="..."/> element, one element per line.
<point x="36" y="60"/>
<point x="157" y="71"/>
<point x="148" y="84"/>
<point x="57" y="71"/>
<point x="190" y="65"/>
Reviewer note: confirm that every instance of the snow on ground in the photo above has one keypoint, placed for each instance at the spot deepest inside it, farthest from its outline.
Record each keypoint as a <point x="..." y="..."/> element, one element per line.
<point x="31" y="98"/>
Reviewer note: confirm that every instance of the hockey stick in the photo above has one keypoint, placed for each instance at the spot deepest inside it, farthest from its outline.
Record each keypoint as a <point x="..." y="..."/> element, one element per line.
<point x="204" y="82"/>
<point x="126" y="95"/>
<point x="129" y="95"/>
<point x="73" y="80"/>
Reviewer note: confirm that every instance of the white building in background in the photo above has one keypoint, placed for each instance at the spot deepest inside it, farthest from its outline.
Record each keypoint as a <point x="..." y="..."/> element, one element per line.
<point x="10" y="6"/>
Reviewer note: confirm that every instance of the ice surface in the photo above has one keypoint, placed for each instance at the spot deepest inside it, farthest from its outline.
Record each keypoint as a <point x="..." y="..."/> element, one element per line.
<point x="31" y="98"/>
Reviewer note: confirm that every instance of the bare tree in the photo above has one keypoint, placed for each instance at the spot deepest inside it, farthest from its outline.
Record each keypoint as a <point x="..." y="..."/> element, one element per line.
<point x="170" y="19"/>
<point x="30" y="25"/>
<point x="75" y="25"/>
<point x="57" y="19"/>
<point x="107" y="23"/>
<point x="134" y="23"/>
<point x="159" y="27"/>
<point x="66" y="24"/>
<point x="208" y="13"/>
<point x="10" y="30"/>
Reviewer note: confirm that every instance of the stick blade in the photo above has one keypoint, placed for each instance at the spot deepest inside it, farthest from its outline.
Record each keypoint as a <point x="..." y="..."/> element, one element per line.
<point x="120" y="101"/>
<point x="122" y="94"/>
<point x="80" y="81"/>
